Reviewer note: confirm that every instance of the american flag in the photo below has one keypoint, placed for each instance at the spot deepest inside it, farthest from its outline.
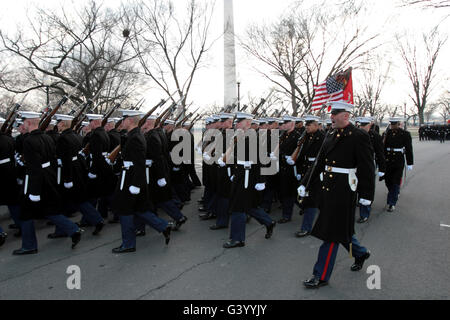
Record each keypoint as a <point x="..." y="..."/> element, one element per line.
<point x="327" y="91"/>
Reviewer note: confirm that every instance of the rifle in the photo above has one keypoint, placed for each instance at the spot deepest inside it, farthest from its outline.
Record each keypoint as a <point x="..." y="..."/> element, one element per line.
<point x="148" y="114"/>
<point x="78" y="126"/>
<point x="169" y="113"/>
<point x="138" y="104"/>
<point x="45" y="121"/>
<point x="14" y="110"/>
<point x="86" y="105"/>
<point x="262" y="102"/>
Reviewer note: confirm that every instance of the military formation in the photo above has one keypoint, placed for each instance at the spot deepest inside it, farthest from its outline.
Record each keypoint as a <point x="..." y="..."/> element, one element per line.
<point x="122" y="169"/>
<point x="434" y="132"/>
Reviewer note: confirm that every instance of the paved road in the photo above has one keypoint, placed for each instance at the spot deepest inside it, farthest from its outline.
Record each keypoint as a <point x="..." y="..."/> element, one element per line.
<point x="409" y="245"/>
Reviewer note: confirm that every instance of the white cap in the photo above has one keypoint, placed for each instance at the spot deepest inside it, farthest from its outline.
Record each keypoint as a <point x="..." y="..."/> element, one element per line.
<point x="169" y="122"/>
<point x="224" y="115"/>
<point x="310" y="117"/>
<point x="29" y="115"/>
<point x="263" y="120"/>
<point x="255" y="121"/>
<point x="131" y="113"/>
<point x="116" y="119"/>
<point x="85" y="123"/>
<point x="243" y="115"/>
<point x="271" y="119"/>
<point x="187" y="124"/>
<point x="299" y="119"/>
<point x="2" y="120"/>
<point x="63" y="117"/>
<point x="150" y="117"/>
<point x="53" y="122"/>
<point x="91" y="116"/>
<point x="208" y="120"/>
<point x="216" y="117"/>
<point x="364" y="119"/>
<point x="329" y="121"/>
<point x="396" y="119"/>
<point x="341" y="105"/>
<point x="288" y="118"/>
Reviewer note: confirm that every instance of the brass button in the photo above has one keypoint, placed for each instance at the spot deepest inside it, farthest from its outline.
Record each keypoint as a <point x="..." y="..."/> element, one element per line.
<point x="334" y="162"/>
<point x="331" y="176"/>
<point x="338" y="135"/>
<point x="323" y="188"/>
<point x="328" y="189"/>
<point x="330" y="169"/>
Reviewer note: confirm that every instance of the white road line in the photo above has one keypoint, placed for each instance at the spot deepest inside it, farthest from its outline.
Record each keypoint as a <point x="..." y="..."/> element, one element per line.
<point x="445" y="225"/>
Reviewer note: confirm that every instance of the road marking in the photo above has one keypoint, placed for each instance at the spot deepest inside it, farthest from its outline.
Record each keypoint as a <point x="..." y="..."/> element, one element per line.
<point x="445" y="225"/>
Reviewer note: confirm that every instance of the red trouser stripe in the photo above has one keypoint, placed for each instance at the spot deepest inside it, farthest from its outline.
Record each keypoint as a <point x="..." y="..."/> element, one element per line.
<point x="328" y="261"/>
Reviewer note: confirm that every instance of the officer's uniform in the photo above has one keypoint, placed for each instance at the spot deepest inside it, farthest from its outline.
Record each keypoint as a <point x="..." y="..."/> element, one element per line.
<point x="397" y="146"/>
<point x="346" y="169"/>
<point x="309" y="149"/>
<point x="244" y="195"/>
<point x="9" y="189"/>
<point x="41" y="197"/>
<point x="72" y="178"/>
<point x="377" y="145"/>
<point x="131" y="195"/>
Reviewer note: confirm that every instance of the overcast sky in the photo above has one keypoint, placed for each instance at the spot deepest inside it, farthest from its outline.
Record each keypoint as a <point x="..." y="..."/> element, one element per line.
<point x="383" y="15"/>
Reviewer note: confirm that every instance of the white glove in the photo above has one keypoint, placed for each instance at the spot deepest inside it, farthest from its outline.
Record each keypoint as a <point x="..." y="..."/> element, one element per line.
<point x="109" y="161"/>
<point x="134" y="190"/>
<point x="82" y="153"/>
<point x="206" y="157"/>
<point x="59" y="162"/>
<point x="260" y="186"/>
<point x="273" y="157"/>
<point x="290" y="161"/>
<point x="34" y="198"/>
<point x="19" y="181"/>
<point x="92" y="176"/>
<point x="19" y="162"/>
<point x="410" y="167"/>
<point x="176" y="169"/>
<point x="301" y="191"/>
<point x="381" y="174"/>
<point x="299" y="177"/>
<point x="162" y="182"/>
<point x="232" y="178"/>
<point x="221" y="163"/>
<point x="68" y="185"/>
<point x="365" y="202"/>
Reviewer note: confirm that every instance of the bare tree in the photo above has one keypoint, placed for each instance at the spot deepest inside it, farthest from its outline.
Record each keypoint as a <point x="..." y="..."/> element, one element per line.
<point x="306" y="46"/>
<point x="436" y="4"/>
<point x="375" y="75"/>
<point x="420" y="66"/>
<point x="63" y="50"/>
<point x="171" y="46"/>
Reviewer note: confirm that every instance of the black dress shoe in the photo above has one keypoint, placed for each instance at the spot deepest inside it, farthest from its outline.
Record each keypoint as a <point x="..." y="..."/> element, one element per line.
<point x="76" y="237"/>
<point x="18" y="234"/>
<point x="391" y="208"/>
<point x="98" y="228"/>
<point x="202" y="209"/>
<point x="3" y="236"/>
<point x="359" y="261"/>
<point x="314" y="283"/>
<point x="248" y="218"/>
<point x="13" y="226"/>
<point x="283" y="220"/>
<point x="302" y="233"/>
<point x="301" y="212"/>
<point x="362" y="220"/>
<point x="207" y="216"/>
<point x="56" y="236"/>
<point x="22" y="252"/>
<point x="123" y="250"/>
<point x="140" y="233"/>
<point x="233" y="244"/>
<point x="82" y="224"/>
<point x="269" y="231"/>
<point x="216" y="227"/>
<point x="166" y="233"/>
<point x="49" y="223"/>
<point x="179" y="223"/>
<point x="114" y="221"/>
